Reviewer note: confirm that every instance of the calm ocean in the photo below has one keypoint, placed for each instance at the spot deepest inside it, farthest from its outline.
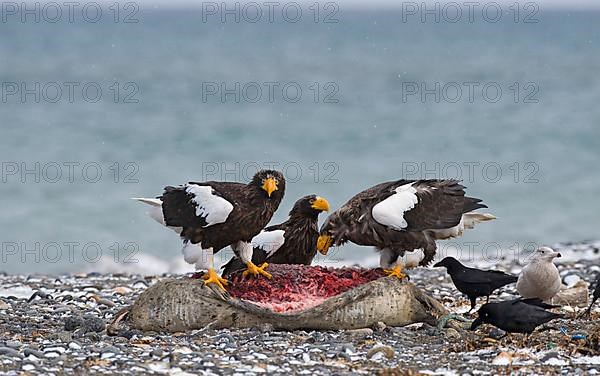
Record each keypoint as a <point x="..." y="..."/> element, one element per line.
<point x="101" y="109"/>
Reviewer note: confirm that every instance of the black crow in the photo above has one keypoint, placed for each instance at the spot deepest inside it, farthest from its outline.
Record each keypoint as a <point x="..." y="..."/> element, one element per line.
<point x="402" y="216"/>
<point x="596" y="295"/>
<point x="474" y="282"/>
<point x="516" y="316"/>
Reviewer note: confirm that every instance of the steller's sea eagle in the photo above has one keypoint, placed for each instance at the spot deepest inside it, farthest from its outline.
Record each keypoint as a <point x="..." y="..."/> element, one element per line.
<point x="291" y="242"/>
<point x="210" y="216"/>
<point x="403" y="219"/>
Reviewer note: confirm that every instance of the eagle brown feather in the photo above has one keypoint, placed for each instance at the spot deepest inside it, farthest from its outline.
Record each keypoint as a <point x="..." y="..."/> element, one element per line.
<point x="441" y="205"/>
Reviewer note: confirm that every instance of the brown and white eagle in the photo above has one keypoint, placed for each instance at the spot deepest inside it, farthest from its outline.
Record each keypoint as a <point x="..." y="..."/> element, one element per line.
<point x="210" y="216"/>
<point x="403" y="219"/>
<point x="291" y="242"/>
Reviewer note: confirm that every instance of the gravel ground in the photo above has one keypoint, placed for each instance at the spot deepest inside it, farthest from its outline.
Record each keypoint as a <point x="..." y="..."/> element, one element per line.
<point x="57" y="325"/>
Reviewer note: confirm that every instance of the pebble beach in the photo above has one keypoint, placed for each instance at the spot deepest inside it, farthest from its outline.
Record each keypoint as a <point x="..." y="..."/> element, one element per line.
<point x="58" y="325"/>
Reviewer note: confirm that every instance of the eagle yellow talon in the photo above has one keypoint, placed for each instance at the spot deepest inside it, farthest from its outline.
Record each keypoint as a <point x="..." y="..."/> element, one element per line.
<point x="213" y="277"/>
<point x="256" y="270"/>
<point x="396" y="272"/>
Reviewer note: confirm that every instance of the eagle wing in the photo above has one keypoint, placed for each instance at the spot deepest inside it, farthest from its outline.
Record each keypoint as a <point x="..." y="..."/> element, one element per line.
<point x="475" y="276"/>
<point x="195" y="206"/>
<point x="355" y="217"/>
<point x="421" y="205"/>
<point x="535" y="302"/>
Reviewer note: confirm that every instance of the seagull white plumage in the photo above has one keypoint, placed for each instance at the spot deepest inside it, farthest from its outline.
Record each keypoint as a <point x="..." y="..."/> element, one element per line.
<point x="540" y="277"/>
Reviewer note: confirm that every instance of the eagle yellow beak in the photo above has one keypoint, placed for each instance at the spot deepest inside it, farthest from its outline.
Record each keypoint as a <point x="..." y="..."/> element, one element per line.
<point x="320" y="204"/>
<point x="270" y="186"/>
<point x="323" y="243"/>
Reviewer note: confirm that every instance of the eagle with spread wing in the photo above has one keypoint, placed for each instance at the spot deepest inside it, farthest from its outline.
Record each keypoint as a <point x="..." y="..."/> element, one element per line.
<point x="210" y="216"/>
<point x="403" y="219"/>
<point x="291" y="242"/>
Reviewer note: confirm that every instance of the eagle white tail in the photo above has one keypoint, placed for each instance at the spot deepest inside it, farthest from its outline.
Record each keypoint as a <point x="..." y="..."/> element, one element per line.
<point x="155" y="210"/>
<point x="149" y="201"/>
<point x="468" y="221"/>
<point x="471" y="219"/>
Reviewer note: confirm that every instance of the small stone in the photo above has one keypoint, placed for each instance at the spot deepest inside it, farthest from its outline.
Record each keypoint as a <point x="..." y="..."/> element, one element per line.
<point x="73" y="322"/>
<point x="549" y="355"/>
<point x="496" y="333"/>
<point x="345" y="356"/>
<point x="157" y="352"/>
<point x="358" y="333"/>
<point x="74" y="345"/>
<point x="503" y="359"/>
<point x="110" y="349"/>
<point x="266" y="327"/>
<point x="377" y="357"/>
<point x="62" y="336"/>
<point x="129" y="334"/>
<point x="379" y="326"/>
<point x="228" y="337"/>
<point x="28" y="367"/>
<point x="556" y="362"/>
<point x="53" y="352"/>
<point x="10" y="352"/>
<point x="101" y="301"/>
<point x="139" y="284"/>
<point x="4" y="305"/>
<point x="13" y="344"/>
<point x="347" y="348"/>
<point x="272" y="368"/>
<point x="388" y="351"/>
<point x="93" y="324"/>
<point x="571" y="279"/>
<point x="66" y="298"/>
<point x="452" y="333"/>
<point x="39" y="294"/>
<point x="92" y="336"/>
<point x="122" y="290"/>
<point x="33" y="352"/>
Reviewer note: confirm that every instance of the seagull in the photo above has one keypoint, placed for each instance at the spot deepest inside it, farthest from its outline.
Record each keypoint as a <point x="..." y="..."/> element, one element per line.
<point x="540" y="278"/>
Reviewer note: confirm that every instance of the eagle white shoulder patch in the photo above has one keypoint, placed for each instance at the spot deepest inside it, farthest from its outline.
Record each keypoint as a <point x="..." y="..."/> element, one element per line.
<point x="390" y="212"/>
<point x="269" y="241"/>
<point x="214" y="209"/>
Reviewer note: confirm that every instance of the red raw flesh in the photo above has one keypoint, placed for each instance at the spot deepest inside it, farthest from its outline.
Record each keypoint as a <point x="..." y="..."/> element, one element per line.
<point x="298" y="287"/>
